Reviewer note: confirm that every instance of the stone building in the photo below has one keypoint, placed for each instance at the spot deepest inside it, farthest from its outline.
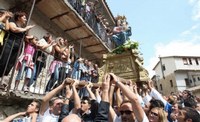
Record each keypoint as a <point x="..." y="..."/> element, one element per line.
<point x="177" y="73"/>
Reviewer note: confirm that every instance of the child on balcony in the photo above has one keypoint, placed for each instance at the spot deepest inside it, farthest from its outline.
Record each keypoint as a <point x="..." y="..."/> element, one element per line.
<point x="26" y="63"/>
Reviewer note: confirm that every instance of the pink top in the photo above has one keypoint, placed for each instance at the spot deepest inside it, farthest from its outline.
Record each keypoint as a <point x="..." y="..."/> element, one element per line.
<point x="53" y="65"/>
<point x="27" y="56"/>
<point x="29" y="49"/>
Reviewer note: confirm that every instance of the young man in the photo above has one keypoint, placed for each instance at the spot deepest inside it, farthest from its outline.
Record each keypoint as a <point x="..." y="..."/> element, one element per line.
<point x="103" y="108"/>
<point x="188" y="114"/>
<point x="30" y="114"/>
<point x="85" y="108"/>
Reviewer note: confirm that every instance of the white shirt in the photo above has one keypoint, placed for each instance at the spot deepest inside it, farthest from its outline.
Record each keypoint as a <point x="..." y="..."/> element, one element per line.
<point x="146" y="99"/>
<point x="118" y="119"/>
<point x="24" y="119"/>
<point x="42" y="42"/>
<point x="48" y="117"/>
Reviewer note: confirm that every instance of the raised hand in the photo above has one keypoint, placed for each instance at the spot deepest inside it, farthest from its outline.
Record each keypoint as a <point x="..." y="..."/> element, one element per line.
<point x="106" y="82"/>
<point x="29" y="27"/>
<point x="74" y="83"/>
<point x="131" y="86"/>
<point x="114" y="78"/>
<point x="89" y="85"/>
<point x="71" y="46"/>
<point x="150" y="84"/>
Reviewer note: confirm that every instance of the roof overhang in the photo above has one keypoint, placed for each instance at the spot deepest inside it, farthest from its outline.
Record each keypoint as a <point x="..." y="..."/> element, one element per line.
<point x="65" y="16"/>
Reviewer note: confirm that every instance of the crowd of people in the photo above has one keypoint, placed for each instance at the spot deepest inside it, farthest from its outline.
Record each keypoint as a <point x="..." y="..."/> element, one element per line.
<point x="34" y="55"/>
<point x="65" y="99"/>
<point x="112" y="101"/>
<point x="33" y="59"/>
<point x="35" y="51"/>
<point x="96" y="20"/>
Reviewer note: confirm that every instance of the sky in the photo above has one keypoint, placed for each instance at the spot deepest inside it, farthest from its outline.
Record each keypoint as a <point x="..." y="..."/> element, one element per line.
<point x="162" y="27"/>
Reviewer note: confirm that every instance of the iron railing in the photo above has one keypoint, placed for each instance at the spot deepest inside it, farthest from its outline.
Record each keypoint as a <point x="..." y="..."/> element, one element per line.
<point x="40" y="83"/>
<point x="91" y="19"/>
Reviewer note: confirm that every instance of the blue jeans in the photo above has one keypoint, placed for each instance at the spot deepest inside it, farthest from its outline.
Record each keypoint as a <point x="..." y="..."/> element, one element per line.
<point x="76" y="74"/>
<point x="53" y="79"/>
<point x="21" y="71"/>
<point x="119" y="38"/>
<point x="36" y="72"/>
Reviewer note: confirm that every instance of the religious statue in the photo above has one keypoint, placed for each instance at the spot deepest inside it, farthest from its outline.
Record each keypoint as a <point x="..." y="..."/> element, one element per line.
<point x="121" y="32"/>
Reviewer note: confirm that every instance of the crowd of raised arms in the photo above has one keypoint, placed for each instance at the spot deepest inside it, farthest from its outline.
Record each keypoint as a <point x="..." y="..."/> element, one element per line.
<point x="112" y="101"/>
<point x="65" y="100"/>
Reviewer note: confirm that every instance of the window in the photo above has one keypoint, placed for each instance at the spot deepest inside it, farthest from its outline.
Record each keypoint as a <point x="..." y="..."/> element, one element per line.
<point x="185" y="61"/>
<point x="161" y="88"/>
<point x="171" y="82"/>
<point x="163" y="67"/>
<point x="187" y="82"/>
<point x="190" y="61"/>
<point x="194" y="79"/>
<point x="196" y="60"/>
<point x="156" y="87"/>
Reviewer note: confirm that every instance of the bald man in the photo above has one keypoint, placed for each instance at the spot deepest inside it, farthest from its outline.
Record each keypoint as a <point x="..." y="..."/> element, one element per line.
<point x="72" y="118"/>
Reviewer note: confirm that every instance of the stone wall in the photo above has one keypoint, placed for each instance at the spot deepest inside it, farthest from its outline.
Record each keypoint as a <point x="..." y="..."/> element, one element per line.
<point x="14" y="103"/>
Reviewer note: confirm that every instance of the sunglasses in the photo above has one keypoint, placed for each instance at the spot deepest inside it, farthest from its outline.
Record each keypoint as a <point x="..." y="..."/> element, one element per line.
<point x="127" y="112"/>
<point x="83" y="102"/>
<point x="153" y="113"/>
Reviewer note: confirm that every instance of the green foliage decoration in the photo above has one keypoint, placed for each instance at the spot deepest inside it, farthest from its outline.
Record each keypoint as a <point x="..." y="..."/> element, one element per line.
<point x="128" y="45"/>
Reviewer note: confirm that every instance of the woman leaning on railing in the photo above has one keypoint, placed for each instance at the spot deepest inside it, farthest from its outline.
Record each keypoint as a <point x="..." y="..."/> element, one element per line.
<point x="17" y="30"/>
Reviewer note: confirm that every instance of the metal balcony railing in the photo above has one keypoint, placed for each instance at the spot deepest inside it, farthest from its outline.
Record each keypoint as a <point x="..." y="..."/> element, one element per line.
<point x="91" y="19"/>
<point x="9" y="72"/>
<point x="39" y="77"/>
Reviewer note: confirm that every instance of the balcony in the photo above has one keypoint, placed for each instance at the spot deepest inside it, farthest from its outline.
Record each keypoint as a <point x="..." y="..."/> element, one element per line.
<point x="61" y="18"/>
<point x="81" y="29"/>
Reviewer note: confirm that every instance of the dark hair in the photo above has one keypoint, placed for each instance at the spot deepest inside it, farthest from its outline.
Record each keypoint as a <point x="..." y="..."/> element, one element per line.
<point x="19" y="14"/>
<point x="190" y="102"/>
<point x="156" y="103"/>
<point x="191" y="114"/>
<point x="38" y="104"/>
<point x="2" y="11"/>
<point x="190" y="95"/>
<point x="87" y="98"/>
<point x="46" y="37"/>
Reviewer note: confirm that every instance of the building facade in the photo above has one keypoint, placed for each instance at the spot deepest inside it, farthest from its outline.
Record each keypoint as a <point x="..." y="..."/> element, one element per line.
<point x="177" y="73"/>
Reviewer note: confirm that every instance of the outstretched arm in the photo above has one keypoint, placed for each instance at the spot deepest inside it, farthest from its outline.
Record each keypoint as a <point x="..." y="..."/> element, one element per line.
<point x="47" y="98"/>
<point x="102" y="115"/>
<point x="11" y="117"/>
<point x="77" y="100"/>
<point x="137" y="108"/>
<point x="91" y="94"/>
<point x="65" y="107"/>
<point x="14" y="28"/>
